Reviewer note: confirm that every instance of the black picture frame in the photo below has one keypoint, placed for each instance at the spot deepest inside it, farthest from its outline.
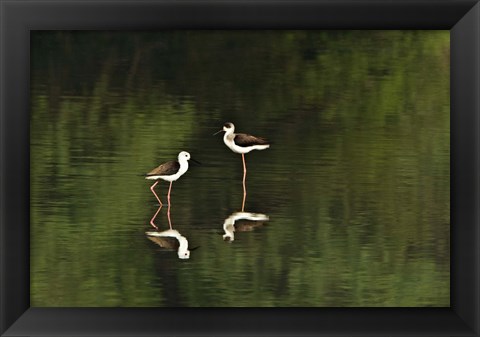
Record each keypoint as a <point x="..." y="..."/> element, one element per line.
<point x="19" y="17"/>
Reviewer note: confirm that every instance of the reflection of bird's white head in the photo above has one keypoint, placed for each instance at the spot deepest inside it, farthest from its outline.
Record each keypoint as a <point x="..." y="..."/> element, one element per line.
<point x="183" y="252"/>
<point x="183" y="156"/>
<point x="228" y="227"/>
<point x="228" y="237"/>
<point x="228" y="127"/>
<point x="184" y="255"/>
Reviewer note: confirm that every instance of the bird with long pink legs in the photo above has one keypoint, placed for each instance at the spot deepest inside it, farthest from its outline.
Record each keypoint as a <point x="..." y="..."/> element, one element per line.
<point x="154" y="216"/>
<point x="242" y="143"/>
<point x="169" y="171"/>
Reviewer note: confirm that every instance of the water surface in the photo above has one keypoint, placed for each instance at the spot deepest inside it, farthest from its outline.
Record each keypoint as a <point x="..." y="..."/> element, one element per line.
<point x="355" y="184"/>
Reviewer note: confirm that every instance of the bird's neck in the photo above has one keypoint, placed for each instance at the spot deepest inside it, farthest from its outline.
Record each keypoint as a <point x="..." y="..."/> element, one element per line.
<point x="183" y="164"/>
<point x="228" y="135"/>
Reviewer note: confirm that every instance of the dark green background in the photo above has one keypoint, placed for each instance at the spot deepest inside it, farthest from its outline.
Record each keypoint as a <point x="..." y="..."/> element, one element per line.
<point x="356" y="183"/>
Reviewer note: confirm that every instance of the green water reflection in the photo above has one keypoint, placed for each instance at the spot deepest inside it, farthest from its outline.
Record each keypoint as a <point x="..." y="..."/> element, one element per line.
<point x="355" y="185"/>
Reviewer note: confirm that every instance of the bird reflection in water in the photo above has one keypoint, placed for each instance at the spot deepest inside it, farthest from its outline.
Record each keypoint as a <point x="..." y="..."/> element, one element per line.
<point x="171" y="239"/>
<point x="230" y="226"/>
<point x="155" y="215"/>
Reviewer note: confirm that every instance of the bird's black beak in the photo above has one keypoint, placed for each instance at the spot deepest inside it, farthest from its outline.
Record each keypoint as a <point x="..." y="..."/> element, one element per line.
<point x="194" y="248"/>
<point x="195" y="161"/>
<point x="216" y="133"/>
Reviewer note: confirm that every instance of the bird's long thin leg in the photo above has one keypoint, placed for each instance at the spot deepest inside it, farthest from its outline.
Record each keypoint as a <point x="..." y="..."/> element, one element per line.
<point x="244" y="178"/>
<point x="153" y="218"/>
<point x="168" y="211"/>
<point x="153" y="191"/>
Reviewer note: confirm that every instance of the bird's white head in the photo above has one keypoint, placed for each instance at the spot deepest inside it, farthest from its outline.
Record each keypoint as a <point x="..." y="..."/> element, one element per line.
<point x="228" y="127"/>
<point x="183" y="156"/>
<point x="183" y="254"/>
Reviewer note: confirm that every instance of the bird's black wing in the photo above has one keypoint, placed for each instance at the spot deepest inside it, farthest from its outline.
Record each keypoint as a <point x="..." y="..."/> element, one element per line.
<point x="242" y="139"/>
<point x="166" y="169"/>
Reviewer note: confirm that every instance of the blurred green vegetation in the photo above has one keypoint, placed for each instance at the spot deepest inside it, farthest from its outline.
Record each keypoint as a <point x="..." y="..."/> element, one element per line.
<point x="356" y="183"/>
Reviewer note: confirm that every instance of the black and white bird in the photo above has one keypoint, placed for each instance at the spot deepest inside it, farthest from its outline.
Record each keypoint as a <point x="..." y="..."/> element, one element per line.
<point x="242" y="143"/>
<point x="169" y="171"/>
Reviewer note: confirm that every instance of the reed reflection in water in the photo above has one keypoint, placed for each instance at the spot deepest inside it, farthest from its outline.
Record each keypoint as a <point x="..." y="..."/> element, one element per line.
<point x="356" y="184"/>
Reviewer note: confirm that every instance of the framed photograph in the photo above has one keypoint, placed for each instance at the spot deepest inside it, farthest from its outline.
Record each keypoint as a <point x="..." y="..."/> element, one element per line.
<point x="240" y="168"/>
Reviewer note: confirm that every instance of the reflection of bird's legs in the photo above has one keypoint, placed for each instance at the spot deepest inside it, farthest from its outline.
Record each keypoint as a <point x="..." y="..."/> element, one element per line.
<point x="244" y="177"/>
<point x="168" y="196"/>
<point x="153" y="218"/>
<point x="153" y="191"/>
<point x="168" y="211"/>
<point x="168" y="216"/>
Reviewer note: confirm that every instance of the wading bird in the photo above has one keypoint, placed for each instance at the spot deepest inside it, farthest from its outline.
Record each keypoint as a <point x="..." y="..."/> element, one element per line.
<point x="242" y="143"/>
<point x="169" y="171"/>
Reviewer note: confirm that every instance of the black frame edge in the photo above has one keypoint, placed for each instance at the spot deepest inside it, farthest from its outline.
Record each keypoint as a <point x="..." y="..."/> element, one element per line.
<point x="237" y="14"/>
<point x="14" y="198"/>
<point x="18" y="17"/>
<point x="240" y="322"/>
<point x="465" y="145"/>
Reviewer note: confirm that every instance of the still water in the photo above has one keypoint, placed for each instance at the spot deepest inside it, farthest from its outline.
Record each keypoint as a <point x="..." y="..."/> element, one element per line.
<point x="351" y="201"/>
